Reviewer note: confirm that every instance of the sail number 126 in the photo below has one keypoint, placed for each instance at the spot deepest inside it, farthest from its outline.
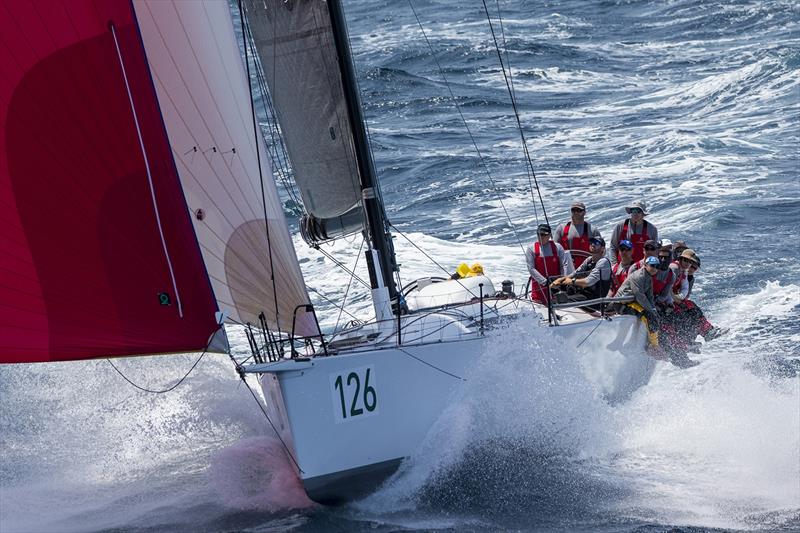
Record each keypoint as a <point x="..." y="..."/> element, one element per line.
<point x="354" y="394"/>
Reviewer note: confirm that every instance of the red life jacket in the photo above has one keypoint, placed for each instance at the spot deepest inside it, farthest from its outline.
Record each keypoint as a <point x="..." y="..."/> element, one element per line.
<point x="579" y="243"/>
<point x="618" y="275"/>
<point x="681" y="275"/>
<point x="637" y="239"/>
<point x="659" y="284"/>
<point x="546" y="266"/>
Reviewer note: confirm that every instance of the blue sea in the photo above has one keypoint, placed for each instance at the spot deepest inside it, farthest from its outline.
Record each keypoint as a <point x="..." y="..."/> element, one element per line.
<point x="693" y="106"/>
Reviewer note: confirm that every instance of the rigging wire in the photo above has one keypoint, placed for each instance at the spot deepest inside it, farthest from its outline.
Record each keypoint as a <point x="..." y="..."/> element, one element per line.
<point x="277" y="147"/>
<point x="431" y="365"/>
<point x="342" y="266"/>
<point x="264" y="411"/>
<point x="256" y="133"/>
<point x="334" y="304"/>
<point x="516" y="113"/>
<point x="466" y="126"/>
<point x="514" y="96"/>
<point x="349" y="283"/>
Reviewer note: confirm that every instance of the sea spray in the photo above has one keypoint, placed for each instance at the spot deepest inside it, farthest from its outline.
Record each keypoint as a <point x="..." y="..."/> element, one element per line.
<point x="254" y="474"/>
<point x="525" y="407"/>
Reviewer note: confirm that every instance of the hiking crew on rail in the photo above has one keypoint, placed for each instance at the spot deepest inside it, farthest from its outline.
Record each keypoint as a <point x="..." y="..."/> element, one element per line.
<point x="573" y="266"/>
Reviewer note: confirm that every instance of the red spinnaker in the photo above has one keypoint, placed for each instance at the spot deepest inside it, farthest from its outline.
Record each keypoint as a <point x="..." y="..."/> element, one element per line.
<point x="83" y="267"/>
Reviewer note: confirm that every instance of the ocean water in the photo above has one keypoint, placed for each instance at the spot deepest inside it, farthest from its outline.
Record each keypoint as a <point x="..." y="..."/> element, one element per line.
<point x="693" y="106"/>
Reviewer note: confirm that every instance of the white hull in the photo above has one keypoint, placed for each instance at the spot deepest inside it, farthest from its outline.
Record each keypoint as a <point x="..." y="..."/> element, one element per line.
<point x="351" y="418"/>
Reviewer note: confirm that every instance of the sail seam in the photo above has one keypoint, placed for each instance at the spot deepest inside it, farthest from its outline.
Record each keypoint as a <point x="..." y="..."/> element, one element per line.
<point x="149" y="174"/>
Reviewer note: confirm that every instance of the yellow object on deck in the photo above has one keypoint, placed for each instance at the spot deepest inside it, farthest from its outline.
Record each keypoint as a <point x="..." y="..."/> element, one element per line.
<point x="652" y="336"/>
<point x="469" y="271"/>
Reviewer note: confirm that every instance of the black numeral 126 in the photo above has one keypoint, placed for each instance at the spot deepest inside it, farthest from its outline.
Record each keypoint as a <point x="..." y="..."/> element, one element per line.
<point x="369" y="398"/>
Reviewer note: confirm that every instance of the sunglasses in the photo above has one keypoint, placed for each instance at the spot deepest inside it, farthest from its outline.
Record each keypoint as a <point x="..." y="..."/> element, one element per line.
<point x="577" y="210"/>
<point x="544" y="234"/>
<point x="636" y="211"/>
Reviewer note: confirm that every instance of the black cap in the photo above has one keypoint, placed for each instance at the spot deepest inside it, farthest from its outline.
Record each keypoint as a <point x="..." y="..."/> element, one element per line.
<point x="543" y="228"/>
<point x="597" y="240"/>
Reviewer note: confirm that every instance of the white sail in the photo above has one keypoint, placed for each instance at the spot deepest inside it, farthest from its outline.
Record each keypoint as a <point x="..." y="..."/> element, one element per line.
<point x="202" y="89"/>
<point x="295" y="44"/>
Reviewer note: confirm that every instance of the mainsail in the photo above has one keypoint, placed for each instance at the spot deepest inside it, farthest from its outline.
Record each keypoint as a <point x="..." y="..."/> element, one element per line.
<point x="295" y="44"/>
<point x="113" y="117"/>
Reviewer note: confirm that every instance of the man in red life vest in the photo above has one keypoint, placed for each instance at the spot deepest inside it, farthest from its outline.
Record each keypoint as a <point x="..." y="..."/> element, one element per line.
<point x="620" y="270"/>
<point x="575" y="234"/>
<point x="546" y="260"/>
<point x="635" y="229"/>
<point x="664" y="279"/>
<point x="690" y="319"/>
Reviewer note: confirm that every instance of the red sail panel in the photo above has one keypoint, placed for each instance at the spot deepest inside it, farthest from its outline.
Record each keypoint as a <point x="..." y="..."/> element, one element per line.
<point x="87" y="269"/>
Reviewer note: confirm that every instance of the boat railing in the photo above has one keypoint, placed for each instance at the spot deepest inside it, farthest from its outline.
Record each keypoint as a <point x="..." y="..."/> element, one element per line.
<point x="594" y="302"/>
<point x="462" y="321"/>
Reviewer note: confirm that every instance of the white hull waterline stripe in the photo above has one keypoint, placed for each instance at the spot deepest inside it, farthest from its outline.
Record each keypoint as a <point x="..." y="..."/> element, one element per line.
<point x="149" y="175"/>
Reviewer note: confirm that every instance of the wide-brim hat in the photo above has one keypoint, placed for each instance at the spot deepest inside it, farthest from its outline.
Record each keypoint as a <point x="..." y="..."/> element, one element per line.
<point x="636" y="203"/>
<point x="691" y="256"/>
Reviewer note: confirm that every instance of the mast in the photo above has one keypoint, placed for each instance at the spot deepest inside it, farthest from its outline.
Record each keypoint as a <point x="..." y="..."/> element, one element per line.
<point x="380" y="257"/>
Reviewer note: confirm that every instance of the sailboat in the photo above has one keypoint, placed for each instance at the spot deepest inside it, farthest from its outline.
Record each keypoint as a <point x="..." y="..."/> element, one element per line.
<point x="141" y="216"/>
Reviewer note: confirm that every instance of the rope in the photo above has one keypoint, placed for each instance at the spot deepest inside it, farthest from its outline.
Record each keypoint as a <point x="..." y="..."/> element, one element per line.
<point x="145" y="389"/>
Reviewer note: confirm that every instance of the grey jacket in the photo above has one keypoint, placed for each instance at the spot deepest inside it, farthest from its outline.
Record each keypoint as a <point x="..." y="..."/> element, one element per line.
<point x="639" y="284"/>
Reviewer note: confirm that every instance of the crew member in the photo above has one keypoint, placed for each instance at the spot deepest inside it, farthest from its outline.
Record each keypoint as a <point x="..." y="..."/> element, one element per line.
<point x="677" y="249"/>
<point x="690" y="319"/>
<point x="650" y="250"/>
<point x="635" y="229"/>
<point x="546" y="260"/>
<point x="639" y="284"/>
<point x="593" y="277"/>
<point x="620" y="270"/>
<point x="575" y="234"/>
<point x="664" y="278"/>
